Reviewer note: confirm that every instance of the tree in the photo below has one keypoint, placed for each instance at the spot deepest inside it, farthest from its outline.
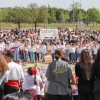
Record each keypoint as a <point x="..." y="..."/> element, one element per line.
<point x="93" y="15"/>
<point x="81" y="15"/>
<point x="17" y="15"/>
<point x="74" y="8"/>
<point x="37" y="15"/>
<point x="52" y="15"/>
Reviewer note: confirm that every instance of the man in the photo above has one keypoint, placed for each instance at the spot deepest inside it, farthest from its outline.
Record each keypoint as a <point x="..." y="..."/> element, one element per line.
<point x="43" y="51"/>
<point x="53" y="48"/>
<point x="15" y="77"/>
<point x="15" y="47"/>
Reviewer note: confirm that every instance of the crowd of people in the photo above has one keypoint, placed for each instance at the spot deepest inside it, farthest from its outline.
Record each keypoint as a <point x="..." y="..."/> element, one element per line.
<point x="79" y="48"/>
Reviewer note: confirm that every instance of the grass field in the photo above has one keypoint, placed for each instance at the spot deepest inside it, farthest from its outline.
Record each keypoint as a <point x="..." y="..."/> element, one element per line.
<point x="8" y="26"/>
<point x="42" y="65"/>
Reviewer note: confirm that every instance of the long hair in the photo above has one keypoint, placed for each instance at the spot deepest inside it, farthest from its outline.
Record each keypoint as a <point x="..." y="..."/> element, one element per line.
<point x="97" y="56"/>
<point x="86" y="63"/>
<point x="3" y="65"/>
<point x="58" y="54"/>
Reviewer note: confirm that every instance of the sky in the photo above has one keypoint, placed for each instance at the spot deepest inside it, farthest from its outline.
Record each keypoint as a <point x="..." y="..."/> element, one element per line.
<point x="52" y="3"/>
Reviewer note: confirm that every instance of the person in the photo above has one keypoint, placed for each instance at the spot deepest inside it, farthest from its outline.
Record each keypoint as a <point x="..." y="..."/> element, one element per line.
<point x="39" y="85"/>
<point x="15" y="47"/>
<point x="16" y="76"/>
<point x="29" y="85"/>
<point x="96" y="75"/>
<point x="43" y="51"/>
<point x="83" y="70"/>
<point x="32" y="53"/>
<point x="53" y="48"/>
<point x="4" y="72"/>
<point x="18" y="96"/>
<point x="58" y="73"/>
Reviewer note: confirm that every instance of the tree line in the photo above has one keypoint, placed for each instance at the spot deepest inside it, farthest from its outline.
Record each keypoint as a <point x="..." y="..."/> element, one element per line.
<point x="35" y="14"/>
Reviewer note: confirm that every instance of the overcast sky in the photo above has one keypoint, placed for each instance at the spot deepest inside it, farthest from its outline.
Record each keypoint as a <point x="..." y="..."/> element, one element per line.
<point x="53" y="3"/>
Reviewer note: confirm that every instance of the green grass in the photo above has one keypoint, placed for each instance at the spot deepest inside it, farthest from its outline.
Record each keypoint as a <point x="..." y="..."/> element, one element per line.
<point x="8" y="26"/>
<point x="42" y="65"/>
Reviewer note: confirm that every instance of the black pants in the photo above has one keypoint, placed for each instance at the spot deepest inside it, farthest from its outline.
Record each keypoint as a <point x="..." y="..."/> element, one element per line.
<point x="58" y="97"/>
<point x="37" y="56"/>
<point x="10" y="89"/>
<point x="85" y="93"/>
<point x="75" y="97"/>
<point x="1" y="91"/>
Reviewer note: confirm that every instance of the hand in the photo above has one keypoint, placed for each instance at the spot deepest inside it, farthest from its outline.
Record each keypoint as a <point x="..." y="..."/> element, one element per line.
<point x="73" y="90"/>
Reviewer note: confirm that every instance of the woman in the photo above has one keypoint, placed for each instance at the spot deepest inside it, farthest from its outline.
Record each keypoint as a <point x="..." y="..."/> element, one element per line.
<point x="58" y="73"/>
<point x="29" y="84"/>
<point x="4" y="72"/>
<point x="83" y="70"/>
<point x="96" y="74"/>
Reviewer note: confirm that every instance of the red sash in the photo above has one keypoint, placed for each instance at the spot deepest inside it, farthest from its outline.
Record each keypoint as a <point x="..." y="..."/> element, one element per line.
<point x="21" y="51"/>
<point x="14" y="83"/>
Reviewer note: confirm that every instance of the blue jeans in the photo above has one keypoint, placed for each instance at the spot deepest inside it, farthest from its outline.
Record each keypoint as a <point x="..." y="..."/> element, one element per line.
<point x="25" y="57"/>
<point x="73" y="58"/>
<point x="32" y="57"/>
<point x="16" y="54"/>
<point x="43" y="57"/>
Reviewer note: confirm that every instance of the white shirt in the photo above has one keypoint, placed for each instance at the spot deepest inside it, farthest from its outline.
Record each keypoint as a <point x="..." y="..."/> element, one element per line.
<point x="5" y="76"/>
<point x="38" y="49"/>
<point x="67" y="47"/>
<point x="80" y="49"/>
<point x="15" y="72"/>
<point x="28" y="84"/>
<point x="95" y="50"/>
<point x="1" y="47"/>
<point x="53" y="48"/>
<point x="7" y="47"/>
<point x="33" y="49"/>
<point x="72" y="49"/>
<point x="43" y="50"/>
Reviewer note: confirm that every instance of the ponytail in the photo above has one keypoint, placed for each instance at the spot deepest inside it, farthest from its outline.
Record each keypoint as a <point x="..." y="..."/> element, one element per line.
<point x="58" y="54"/>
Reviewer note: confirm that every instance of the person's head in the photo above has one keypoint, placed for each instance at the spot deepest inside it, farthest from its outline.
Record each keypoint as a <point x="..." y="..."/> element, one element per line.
<point x="9" y="57"/>
<point x="18" y="96"/>
<point x="85" y="56"/>
<point x="98" y="56"/>
<point x="3" y="65"/>
<point x="58" y="54"/>
<point x="29" y="70"/>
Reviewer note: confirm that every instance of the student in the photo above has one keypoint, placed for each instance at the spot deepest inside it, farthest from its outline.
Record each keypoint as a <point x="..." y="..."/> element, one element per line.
<point x="32" y="53"/>
<point x="43" y="51"/>
<point x="16" y="76"/>
<point x="58" y="73"/>
<point x="29" y="84"/>
<point x="83" y="70"/>
<point x="53" y="48"/>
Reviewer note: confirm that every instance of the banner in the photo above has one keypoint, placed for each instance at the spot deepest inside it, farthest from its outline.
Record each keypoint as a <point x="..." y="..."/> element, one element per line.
<point x="49" y="34"/>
